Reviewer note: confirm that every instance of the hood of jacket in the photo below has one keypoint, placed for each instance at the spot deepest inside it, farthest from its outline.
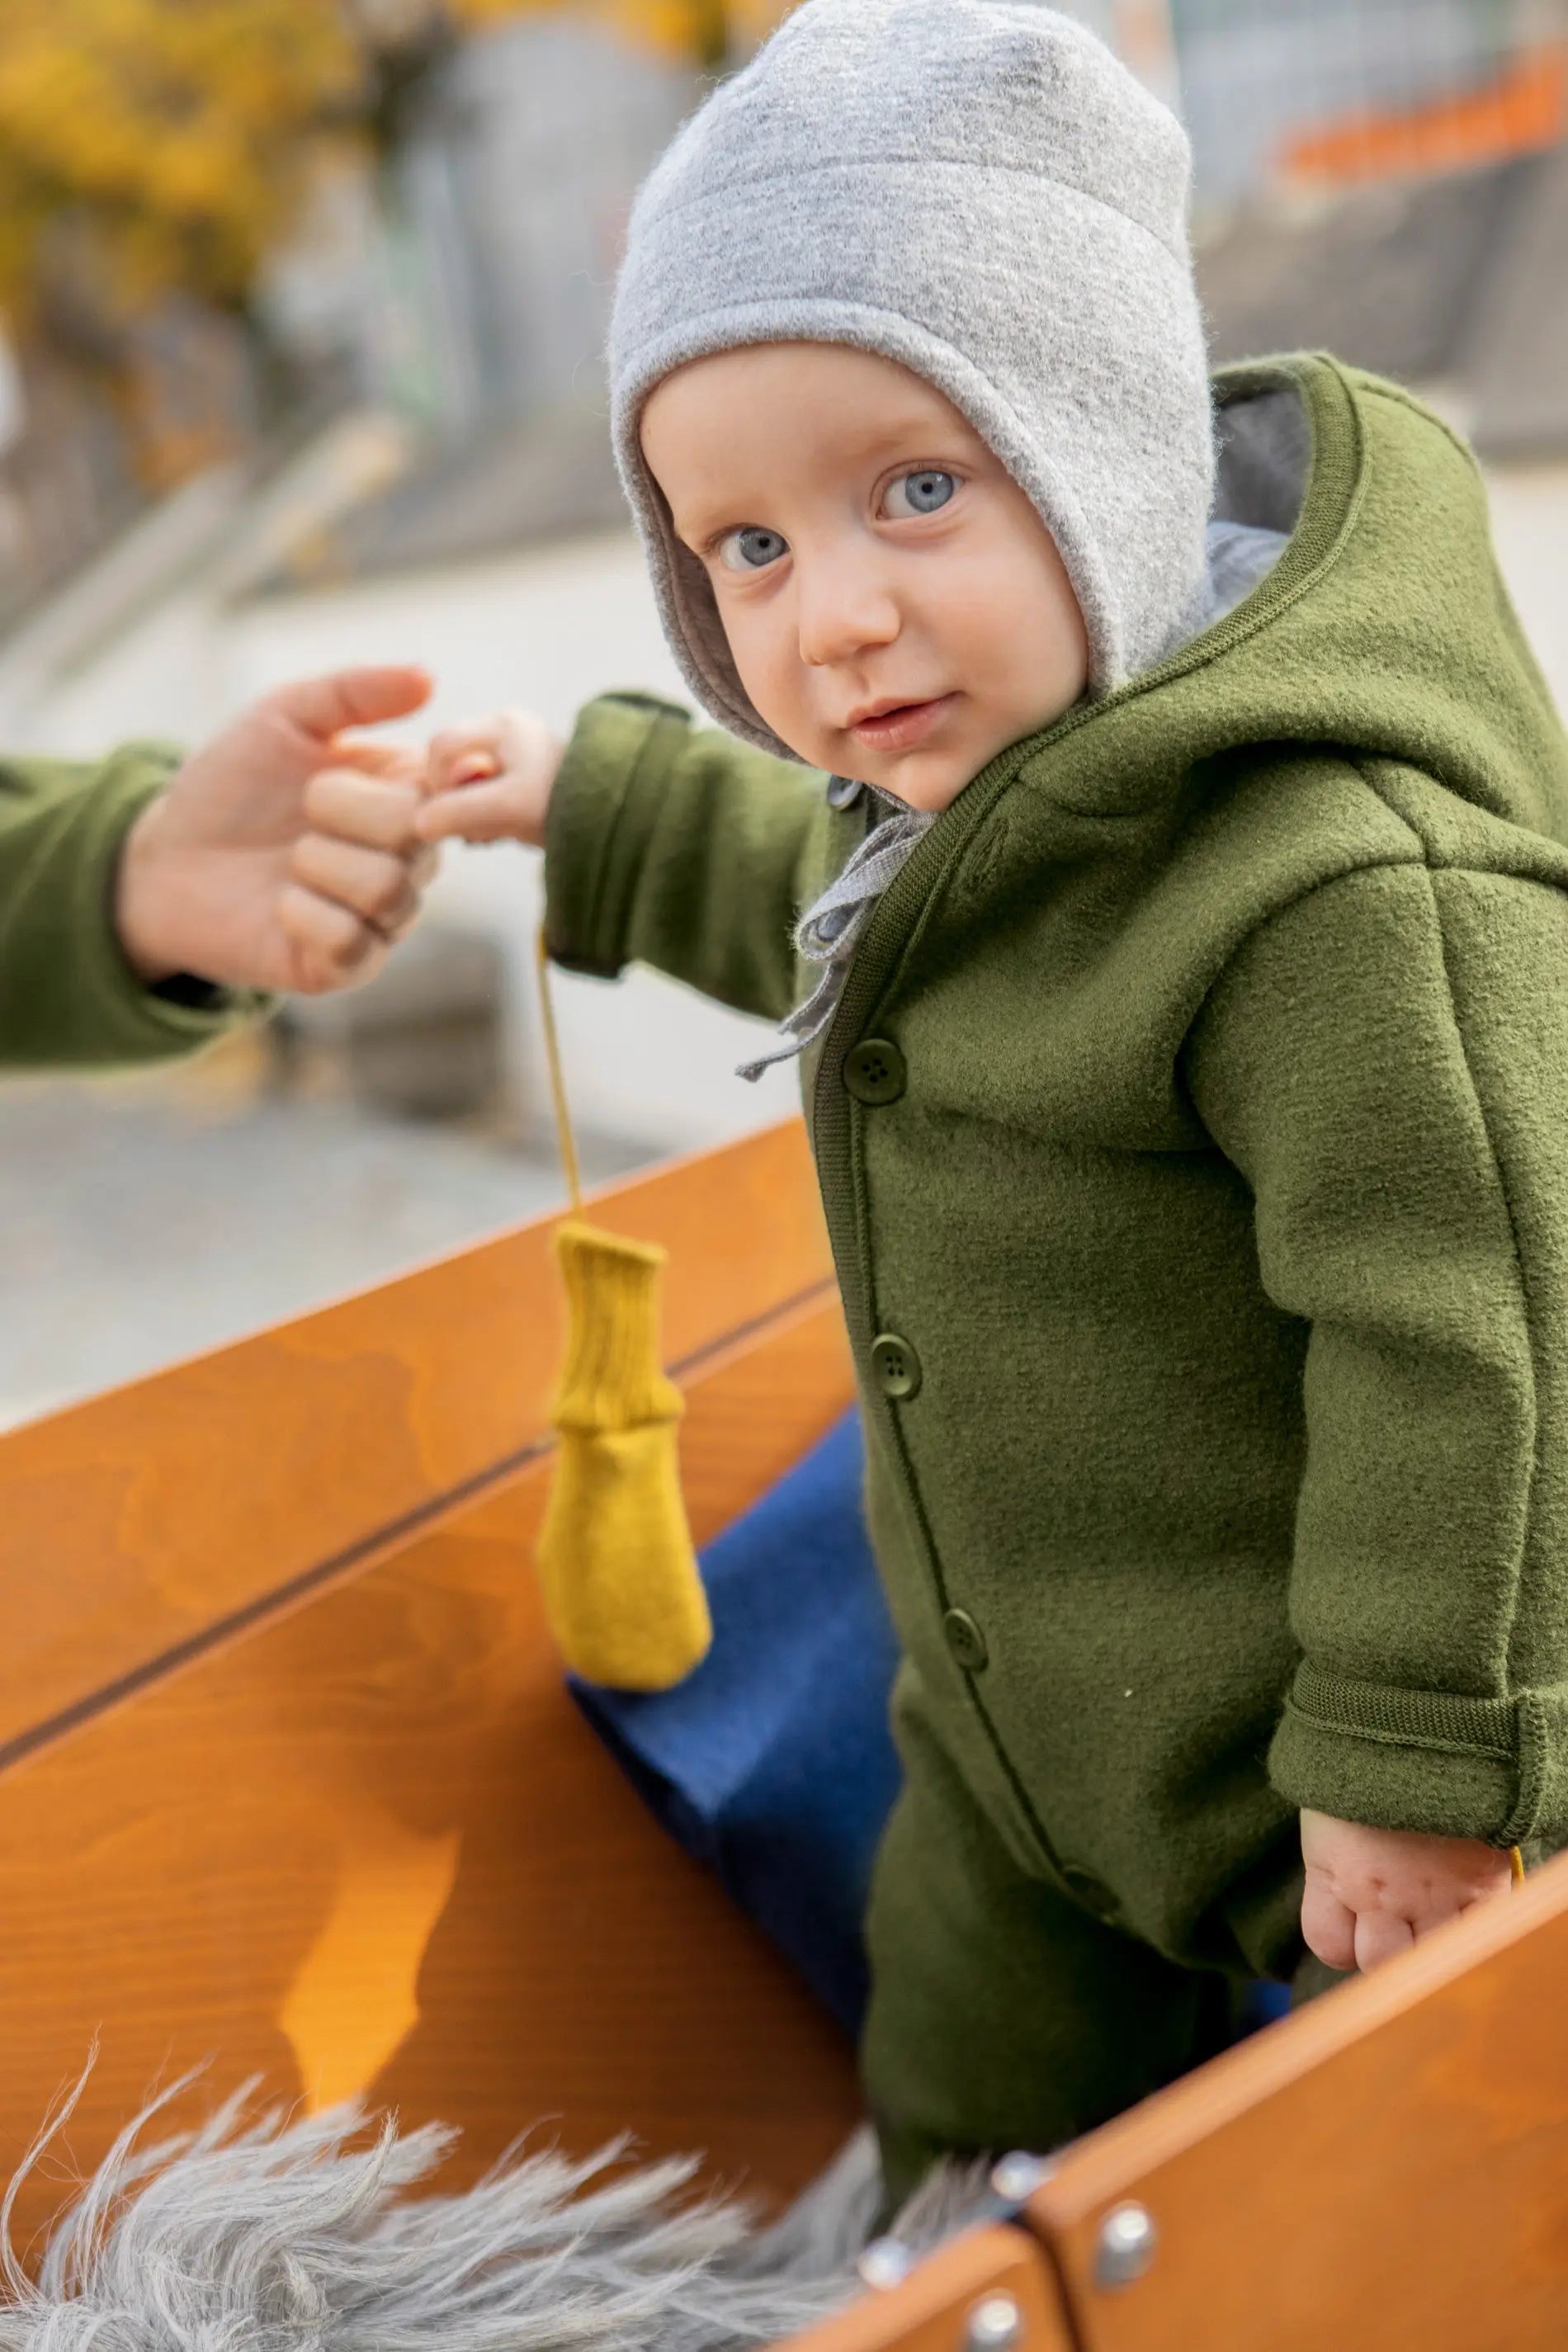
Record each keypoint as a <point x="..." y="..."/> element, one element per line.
<point x="1384" y="630"/>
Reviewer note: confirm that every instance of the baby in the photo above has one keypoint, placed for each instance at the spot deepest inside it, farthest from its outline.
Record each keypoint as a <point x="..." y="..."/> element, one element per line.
<point x="1185" y="1030"/>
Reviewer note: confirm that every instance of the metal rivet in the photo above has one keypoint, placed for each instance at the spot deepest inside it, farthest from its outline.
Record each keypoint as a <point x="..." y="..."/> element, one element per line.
<point x="886" y="2261"/>
<point x="1125" y="2246"/>
<point x="1018" y="2175"/>
<point x="994" y="2325"/>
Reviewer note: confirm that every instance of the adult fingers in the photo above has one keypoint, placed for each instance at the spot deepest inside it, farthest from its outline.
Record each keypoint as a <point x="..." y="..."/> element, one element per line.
<point x="353" y="698"/>
<point x="1328" y="1926"/>
<point x="374" y="884"/>
<point x="362" y="808"/>
<point x="1381" y="1935"/>
<point x="398" y="763"/>
<point x="486" y="812"/>
<point x="331" y="945"/>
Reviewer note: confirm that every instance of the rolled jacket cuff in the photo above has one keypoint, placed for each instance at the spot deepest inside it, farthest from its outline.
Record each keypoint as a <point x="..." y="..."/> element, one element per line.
<point x="603" y="810"/>
<point x="1431" y="1760"/>
<point x="101" y="1010"/>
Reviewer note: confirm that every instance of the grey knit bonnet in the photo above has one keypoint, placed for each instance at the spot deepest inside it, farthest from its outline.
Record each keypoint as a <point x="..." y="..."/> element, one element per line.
<point x="980" y="190"/>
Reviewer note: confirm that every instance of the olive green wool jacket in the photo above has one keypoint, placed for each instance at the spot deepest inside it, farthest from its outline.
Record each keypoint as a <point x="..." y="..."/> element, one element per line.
<point x="1206" y="1185"/>
<point x="67" y="993"/>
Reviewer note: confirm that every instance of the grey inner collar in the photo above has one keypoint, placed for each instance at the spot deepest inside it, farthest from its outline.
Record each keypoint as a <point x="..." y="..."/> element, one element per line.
<point x="1265" y="455"/>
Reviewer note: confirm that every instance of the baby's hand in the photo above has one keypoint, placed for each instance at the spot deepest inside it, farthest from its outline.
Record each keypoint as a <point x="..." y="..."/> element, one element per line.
<point x="1372" y="1893"/>
<point x="491" y="781"/>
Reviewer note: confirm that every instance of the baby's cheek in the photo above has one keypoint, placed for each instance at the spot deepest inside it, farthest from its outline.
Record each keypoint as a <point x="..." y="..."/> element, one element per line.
<point x="762" y="672"/>
<point x="784" y="697"/>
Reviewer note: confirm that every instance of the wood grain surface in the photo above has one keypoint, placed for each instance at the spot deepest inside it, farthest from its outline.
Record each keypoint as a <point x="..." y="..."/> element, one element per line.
<point x="290" y="1788"/>
<point x="1388" y="2166"/>
<point x="932" y="2310"/>
<point x="370" y="1845"/>
<point x="130" y="1525"/>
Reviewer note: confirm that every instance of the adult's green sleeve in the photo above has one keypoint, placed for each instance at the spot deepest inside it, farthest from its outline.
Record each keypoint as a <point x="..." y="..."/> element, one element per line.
<point x="1386" y="1062"/>
<point x="66" y="994"/>
<point x="681" y="849"/>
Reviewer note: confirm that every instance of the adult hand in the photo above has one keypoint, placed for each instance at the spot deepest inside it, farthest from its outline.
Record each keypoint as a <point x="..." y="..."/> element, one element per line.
<point x="283" y="854"/>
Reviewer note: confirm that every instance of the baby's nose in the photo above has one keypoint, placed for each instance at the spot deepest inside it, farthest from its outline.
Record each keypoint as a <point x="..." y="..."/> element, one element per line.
<point x="843" y="617"/>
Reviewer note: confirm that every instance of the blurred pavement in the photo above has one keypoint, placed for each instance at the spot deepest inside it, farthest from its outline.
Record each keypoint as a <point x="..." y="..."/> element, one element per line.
<point x="142" y="1222"/>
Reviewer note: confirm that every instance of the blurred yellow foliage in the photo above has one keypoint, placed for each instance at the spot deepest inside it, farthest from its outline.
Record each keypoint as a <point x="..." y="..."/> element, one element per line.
<point x="174" y="129"/>
<point x="178" y="133"/>
<point x="704" y="31"/>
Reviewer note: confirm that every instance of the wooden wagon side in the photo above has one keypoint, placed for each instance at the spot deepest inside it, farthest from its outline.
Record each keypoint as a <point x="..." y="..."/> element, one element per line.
<point x="289" y="1784"/>
<point x="287" y="1780"/>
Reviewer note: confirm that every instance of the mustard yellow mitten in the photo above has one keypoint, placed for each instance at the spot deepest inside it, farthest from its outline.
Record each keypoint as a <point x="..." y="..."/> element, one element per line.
<point x="622" y="1593"/>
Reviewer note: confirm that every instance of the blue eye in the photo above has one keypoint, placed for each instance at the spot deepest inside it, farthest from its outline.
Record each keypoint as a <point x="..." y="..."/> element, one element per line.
<point x="752" y="549"/>
<point x="917" y="494"/>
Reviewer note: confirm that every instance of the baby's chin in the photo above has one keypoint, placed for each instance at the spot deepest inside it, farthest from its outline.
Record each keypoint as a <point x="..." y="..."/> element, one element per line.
<point x="929" y="777"/>
<point x="930" y="783"/>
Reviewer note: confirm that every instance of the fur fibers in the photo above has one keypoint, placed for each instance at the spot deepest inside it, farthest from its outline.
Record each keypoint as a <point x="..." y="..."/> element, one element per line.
<point x="258" y="2234"/>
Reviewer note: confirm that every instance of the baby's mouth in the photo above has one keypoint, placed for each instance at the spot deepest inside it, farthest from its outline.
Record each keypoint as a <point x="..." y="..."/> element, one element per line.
<point x="903" y="726"/>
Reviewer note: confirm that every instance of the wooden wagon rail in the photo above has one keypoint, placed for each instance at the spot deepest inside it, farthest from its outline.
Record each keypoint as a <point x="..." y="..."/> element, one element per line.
<point x="289" y="1785"/>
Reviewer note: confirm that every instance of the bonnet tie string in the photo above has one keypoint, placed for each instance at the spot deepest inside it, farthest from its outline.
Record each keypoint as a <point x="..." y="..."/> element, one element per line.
<point x="827" y="933"/>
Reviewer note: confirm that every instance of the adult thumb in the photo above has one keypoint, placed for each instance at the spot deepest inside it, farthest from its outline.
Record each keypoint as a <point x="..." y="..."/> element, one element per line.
<point x="353" y="698"/>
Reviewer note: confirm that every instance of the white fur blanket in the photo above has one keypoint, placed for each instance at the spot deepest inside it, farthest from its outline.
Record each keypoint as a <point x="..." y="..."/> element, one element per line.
<point x="262" y="2235"/>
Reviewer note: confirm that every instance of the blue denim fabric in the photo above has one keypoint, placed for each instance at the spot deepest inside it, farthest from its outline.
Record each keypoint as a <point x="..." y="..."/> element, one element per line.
<point x="773" y="1763"/>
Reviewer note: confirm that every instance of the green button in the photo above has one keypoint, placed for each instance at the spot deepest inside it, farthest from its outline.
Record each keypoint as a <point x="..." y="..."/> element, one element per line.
<point x="896" y="1365"/>
<point x="874" y="1071"/>
<point x="966" y="1639"/>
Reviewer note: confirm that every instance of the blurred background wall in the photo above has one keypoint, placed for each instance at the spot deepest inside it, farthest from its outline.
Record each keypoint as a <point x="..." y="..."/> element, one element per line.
<point x="301" y="313"/>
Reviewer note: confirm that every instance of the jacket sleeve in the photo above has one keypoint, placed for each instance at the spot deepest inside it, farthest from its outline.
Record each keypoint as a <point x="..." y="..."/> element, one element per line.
<point x="67" y="993"/>
<point x="1386" y="1062"/>
<point x="683" y="850"/>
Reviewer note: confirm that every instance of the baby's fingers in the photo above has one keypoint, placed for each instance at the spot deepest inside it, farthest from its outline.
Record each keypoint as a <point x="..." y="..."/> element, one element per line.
<point x="1381" y="1935"/>
<point x="458" y="755"/>
<point x="478" y="812"/>
<point x="1328" y="1926"/>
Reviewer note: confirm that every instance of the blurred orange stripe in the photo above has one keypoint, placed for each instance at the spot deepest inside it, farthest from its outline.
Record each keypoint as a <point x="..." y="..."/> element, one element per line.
<point x="1526" y="108"/>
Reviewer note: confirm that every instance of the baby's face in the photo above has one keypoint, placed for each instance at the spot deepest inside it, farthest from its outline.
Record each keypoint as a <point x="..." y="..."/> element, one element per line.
<point x="896" y="608"/>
